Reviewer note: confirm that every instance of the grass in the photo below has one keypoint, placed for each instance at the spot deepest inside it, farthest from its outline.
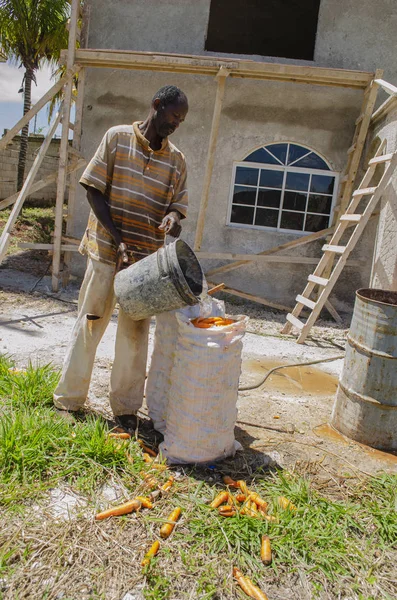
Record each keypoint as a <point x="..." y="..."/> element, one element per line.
<point x="34" y="224"/>
<point x="333" y="546"/>
<point x="39" y="449"/>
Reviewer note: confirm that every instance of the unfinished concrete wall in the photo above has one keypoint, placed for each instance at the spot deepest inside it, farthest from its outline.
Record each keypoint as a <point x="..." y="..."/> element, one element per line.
<point x="358" y="34"/>
<point x="351" y="34"/>
<point x="254" y="113"/>
<point x="9" y="167"/>
<point x="384" y="269"/>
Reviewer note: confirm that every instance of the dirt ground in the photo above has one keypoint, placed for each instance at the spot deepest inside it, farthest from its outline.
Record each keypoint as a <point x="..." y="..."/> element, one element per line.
<point x="283" y="422"/>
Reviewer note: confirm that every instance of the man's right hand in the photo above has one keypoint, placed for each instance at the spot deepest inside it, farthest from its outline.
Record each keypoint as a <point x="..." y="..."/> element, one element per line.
<point x="122" y="257"/>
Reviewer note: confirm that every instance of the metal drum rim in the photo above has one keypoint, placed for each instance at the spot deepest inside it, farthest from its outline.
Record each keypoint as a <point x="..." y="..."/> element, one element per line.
<point x="360" y="294"/>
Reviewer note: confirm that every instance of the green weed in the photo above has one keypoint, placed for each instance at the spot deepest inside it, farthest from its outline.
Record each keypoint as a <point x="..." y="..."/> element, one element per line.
<point x="342" y="548"/>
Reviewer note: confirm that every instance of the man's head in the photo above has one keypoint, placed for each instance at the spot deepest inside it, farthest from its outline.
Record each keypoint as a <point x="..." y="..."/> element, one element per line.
<point x="169" y="109"/>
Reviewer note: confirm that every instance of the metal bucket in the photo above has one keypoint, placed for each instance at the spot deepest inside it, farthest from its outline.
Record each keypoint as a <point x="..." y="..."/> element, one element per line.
<point x="168" y="279"/>
<point x="365" y="408"/>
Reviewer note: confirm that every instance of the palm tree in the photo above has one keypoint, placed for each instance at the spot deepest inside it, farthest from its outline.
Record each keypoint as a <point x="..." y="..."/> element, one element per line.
<point x="32" y="32"/>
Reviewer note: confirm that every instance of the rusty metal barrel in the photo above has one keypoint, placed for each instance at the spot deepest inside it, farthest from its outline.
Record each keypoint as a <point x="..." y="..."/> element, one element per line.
<point x="365" y="407"/>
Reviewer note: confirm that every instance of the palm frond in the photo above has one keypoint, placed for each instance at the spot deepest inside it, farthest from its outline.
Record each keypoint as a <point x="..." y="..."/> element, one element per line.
<point x="33" y="31"/>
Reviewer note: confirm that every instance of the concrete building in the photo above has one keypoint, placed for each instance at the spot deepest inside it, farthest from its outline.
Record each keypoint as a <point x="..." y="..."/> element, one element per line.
<point x="277" y="200"/>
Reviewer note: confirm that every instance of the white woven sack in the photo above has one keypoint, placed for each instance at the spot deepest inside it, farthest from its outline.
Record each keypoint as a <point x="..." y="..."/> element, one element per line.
<point x="158" y="382"/>
<point x="202" y="411"/>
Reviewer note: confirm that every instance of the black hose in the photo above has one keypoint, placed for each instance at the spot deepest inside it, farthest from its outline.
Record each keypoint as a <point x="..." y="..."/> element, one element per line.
<point x="304" y="364"/>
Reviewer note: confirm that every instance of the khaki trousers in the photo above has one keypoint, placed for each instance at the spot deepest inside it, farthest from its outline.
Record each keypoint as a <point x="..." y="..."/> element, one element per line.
<point x="95" y="308"/>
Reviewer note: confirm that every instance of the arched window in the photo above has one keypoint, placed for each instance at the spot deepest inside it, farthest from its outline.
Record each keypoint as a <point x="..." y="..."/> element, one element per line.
<point x="284" y="187"/>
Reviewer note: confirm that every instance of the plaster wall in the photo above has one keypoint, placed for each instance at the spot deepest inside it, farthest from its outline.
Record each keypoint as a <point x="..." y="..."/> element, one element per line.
<point x="254" y="113"/>
<point x="351" y="34"/>
<point x="384" y="268"/>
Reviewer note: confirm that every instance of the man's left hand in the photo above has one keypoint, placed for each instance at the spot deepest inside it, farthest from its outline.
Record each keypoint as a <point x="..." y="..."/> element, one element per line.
<point x="171" y="224"/>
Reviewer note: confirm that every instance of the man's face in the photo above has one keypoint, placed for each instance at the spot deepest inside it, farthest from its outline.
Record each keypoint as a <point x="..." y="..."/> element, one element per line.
<point x="168" y="118"/>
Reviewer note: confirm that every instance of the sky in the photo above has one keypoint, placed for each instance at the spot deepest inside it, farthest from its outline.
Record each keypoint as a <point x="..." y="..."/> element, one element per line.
<point x="11" y="103"/>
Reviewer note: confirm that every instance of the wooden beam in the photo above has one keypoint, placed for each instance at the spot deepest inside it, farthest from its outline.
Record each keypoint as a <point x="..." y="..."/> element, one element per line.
<point x="220" y="92"/>
<point x="253" y="298"/>
<point x="5" y="236"/>
<point x="76" y="145"/>
<point x="38" y="106"/>
<point x="75" y="166"/>
<point x="64" y="147"/>
<point x="293" y="244"/>
<point x="388" y="87"/>
<point x="384" y="109"/>
<point x="360" y="135"/>
<point x="333" y="312"/>
<point x="210" y="65"/>
<point x="260" y="258"/>
<point x="359" y="141"/>
<point x="50" y="247"/>
<point x="71" y="240"/>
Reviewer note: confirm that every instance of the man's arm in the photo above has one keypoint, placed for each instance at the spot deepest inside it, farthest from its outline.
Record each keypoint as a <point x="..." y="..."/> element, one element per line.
<point x="100" y="207"/>
<point x="171" y="224"/>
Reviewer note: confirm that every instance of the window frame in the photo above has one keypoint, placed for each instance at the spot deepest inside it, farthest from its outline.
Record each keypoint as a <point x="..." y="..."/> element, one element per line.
<point x="286" y="169"/>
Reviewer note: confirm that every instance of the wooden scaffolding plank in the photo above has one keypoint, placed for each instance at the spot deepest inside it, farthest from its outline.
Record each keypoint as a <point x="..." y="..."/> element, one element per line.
<point x="301" y="241"/>
<point x="321" y="274"/>
<point x="253" y="298"/>
<point x="349" y="247"/>
<point x="292" y="244"/>
<point x="380" y="159"/>
<point x="49" y="247"/>
<point x="295" y="322"/>
<point x="354" y="158"/>
<point x="388" y="87"/>
<point x="38" y="106"/>
<point x="274" y="258"/>
<point x="384" y="109"/>
<point x="76" y="145"/>
<point x="360" y="135"/>
<point x="220" y="92"/>
<point x="334" y="249"/>
<point x="357" y="232"/>
<point x="210" y="65"/>
<point x="64" y="148"/>
<point x="39" y="185"/>
<point x="5" y="236"/>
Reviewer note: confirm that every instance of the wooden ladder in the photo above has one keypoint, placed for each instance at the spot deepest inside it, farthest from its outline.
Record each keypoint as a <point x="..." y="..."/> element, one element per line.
<point x="355" y="151"/>
<point x="331" y="250"/>
<point x="354" y="154"/>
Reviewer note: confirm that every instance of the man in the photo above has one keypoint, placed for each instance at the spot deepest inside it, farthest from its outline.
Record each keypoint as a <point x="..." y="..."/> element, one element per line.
<point x="136" y="187"/>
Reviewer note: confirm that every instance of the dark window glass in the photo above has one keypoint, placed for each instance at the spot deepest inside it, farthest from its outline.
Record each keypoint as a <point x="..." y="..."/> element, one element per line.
<point x="312" y="161"/>
<point x="284" y="28"/>
<point x="322" y="184"/>
<point x="291" y="220"/>
<point x="296" y="152"/>
<point x="279" y="151"/>
<point x="244" y="195"/>
<point x="246" y="176"/>
<point x="242" y="214"/>
<point x="316" y="223"/>
<point x="297" y="181"/>
<point x="292" y="191"/>
<point x="262" y="156"/>
<point x="272" y="179"/>
<point x="319" y="204"/>
<point x="269" y="198"/>
<point x="294" y="201"/>
<point x="266" y="217"/>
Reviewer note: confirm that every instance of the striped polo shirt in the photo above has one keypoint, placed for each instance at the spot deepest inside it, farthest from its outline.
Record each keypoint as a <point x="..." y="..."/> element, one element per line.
<point x="141" y="185"/>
